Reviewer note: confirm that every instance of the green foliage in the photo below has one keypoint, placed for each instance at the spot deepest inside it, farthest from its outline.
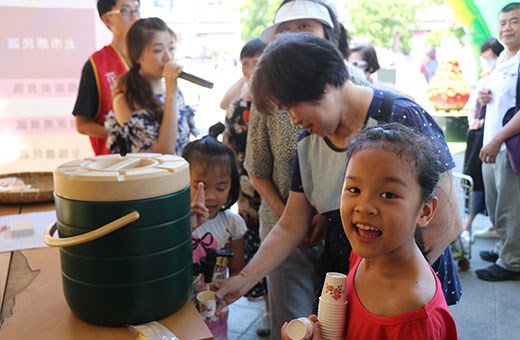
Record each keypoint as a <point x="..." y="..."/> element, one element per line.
<point x="434" y="37"/>
<point x="256" y="15"/>
<point x="385" y="23"/>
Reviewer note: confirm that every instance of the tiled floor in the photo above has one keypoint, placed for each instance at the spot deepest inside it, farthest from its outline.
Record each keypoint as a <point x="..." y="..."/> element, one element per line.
<point x="487" y="310"/>
<point x="243" y="316"/>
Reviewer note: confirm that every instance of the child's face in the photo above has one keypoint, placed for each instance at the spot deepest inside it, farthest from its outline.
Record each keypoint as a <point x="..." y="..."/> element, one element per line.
<point x="217" y="183"/>
<point x="159" y="52"/>
<point x="248" y="64"/>
<point x="381" y="203"/>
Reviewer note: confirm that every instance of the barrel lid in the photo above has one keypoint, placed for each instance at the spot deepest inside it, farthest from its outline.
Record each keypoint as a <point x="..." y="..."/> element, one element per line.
<point x="109" y="178"/>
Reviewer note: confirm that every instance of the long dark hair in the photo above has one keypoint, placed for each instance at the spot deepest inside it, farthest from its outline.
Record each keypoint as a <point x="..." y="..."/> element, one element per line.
<point x="136" y="90"/>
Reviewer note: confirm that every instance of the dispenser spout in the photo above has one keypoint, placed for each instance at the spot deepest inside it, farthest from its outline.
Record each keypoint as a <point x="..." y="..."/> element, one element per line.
<point x="208" y="262"/>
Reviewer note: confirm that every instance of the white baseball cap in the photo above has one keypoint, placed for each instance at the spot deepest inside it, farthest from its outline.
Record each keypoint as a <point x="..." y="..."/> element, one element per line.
<point x="294" y="10"/>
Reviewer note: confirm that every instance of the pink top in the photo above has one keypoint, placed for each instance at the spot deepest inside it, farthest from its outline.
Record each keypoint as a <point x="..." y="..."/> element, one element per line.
<point x="433" y="321"/>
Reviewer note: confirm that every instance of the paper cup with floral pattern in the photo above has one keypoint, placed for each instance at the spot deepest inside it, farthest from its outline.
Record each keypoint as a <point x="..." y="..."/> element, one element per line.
<point x="334" y="288"/>
<point x="207" y="303"/>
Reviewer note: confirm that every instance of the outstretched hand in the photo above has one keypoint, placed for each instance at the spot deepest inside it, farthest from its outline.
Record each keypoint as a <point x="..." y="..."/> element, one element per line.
<point x="199" y="212"/>
<point x="230" y="290"/>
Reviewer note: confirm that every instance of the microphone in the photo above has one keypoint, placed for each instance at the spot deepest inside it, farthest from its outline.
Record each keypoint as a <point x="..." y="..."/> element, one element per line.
<point x="196" y="80"/>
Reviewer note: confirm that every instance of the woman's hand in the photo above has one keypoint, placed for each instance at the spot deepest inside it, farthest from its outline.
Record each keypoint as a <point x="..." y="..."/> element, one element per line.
<point x="318" y="226"/>
<point x="199" y="212"/>
<point x="171" y="73"/>
<point x="230" y="290"/>
<point x="316" y="330"/>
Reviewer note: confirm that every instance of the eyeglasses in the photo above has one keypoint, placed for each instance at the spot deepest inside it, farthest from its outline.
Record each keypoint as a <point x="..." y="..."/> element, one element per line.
<point x="126" y="11"/>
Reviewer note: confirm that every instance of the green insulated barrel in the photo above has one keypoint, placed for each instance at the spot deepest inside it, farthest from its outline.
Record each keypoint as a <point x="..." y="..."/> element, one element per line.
<point x="125" y="237"/>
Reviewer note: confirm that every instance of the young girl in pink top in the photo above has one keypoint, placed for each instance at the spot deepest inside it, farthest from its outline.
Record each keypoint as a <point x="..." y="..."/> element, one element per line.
<point x="392" y="291"/>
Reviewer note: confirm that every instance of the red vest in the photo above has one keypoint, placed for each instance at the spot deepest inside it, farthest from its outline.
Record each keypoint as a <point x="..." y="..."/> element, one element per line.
<point x="107" y="64"/>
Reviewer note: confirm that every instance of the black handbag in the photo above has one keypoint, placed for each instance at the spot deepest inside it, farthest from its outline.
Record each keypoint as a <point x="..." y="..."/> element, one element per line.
<point x="472" y="165"/>
<point x="513" y="142"/>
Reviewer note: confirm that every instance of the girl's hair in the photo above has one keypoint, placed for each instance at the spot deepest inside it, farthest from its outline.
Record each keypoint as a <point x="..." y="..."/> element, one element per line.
<point x="493" y="44"/>
<point x="295" y="68"/>
<point x="252" y="48"/>
<point x="209" y="152"/>
<point x="369" y="55"/>
<point x="137" y="91"/>
<point x="410" y="146"/>
<point x="337" y="34"/>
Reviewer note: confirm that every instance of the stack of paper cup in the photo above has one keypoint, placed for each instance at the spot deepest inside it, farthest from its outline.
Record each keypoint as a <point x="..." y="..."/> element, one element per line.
<point x="332" y="308"/>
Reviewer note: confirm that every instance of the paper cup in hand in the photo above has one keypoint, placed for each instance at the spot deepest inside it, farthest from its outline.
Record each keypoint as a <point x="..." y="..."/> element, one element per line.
<point x="334" y="288"/>
<point x="207" y="303"/>
<point x="299" y="329"/>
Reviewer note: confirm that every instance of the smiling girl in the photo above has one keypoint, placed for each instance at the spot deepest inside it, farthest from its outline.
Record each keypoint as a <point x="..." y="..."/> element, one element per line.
<point x="148" y="112"/>
<point x="388" y="197"/>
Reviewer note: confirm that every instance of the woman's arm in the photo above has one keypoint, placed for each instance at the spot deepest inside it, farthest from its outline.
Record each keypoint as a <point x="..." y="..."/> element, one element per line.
<point x="445" y="225"/>
<point x="288" y="232"/>
<point x="267" y="190"/>
<point x="167" y="138"/>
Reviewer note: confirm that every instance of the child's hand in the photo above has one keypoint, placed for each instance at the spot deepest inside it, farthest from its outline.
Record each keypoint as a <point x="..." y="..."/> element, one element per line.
<point x="316" y="329"/>
<point x="199" y="212"/>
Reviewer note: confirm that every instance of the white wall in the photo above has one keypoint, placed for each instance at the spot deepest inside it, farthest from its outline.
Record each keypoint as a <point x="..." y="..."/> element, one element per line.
<point x="36" y="125"/>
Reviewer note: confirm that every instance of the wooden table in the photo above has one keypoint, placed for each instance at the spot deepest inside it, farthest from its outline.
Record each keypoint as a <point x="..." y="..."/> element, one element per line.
<point x="41" y="312"/>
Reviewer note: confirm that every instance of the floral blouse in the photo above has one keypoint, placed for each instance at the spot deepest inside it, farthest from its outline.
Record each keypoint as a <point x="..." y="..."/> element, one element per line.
<point x="142" y="129"/>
